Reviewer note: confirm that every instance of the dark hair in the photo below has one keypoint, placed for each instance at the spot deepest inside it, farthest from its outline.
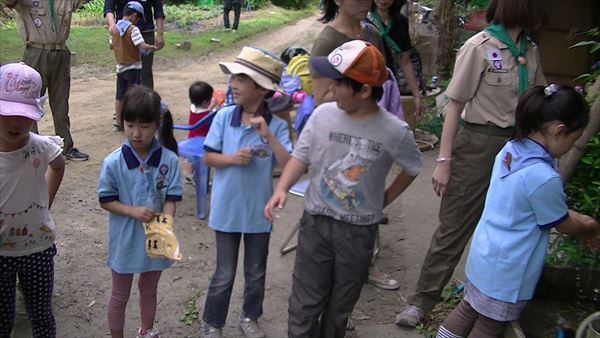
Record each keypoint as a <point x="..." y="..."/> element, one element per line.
<point x="536" y="108"/>
<point x="199" y="92"/>
<point x="376" y="92"/>
<point x="143" y="104"/>
<point x="526" y="14"/>
<point x="394" y="11"/>
<point x="329" y="10"/>
<point x="129" y="11"/>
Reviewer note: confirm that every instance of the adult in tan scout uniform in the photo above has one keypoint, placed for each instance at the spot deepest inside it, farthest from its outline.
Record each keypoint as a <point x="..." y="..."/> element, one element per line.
<point x="492" y="69"/>
<point x="44" y="26"/>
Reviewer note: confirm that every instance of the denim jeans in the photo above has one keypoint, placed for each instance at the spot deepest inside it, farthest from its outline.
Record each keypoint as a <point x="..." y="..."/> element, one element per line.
<point x="256" y="249"/>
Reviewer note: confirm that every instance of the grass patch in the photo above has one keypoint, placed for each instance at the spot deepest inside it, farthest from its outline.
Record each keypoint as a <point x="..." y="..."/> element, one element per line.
<point x="91" y="43"/>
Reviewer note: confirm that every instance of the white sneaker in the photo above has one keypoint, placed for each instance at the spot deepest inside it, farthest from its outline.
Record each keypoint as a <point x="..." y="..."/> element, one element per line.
<point x="249" y="328"/>
<point x="211" y="331"/>
<point x="410" y="316"/>
<point x="152" y="333"/>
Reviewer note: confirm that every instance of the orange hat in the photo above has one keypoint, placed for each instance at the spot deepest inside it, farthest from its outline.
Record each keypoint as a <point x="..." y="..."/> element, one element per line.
<point x="357" y="60"/>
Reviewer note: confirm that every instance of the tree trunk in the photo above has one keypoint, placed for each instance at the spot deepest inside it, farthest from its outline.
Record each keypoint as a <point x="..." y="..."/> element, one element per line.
<point x="444" y="20"/>
<point x="569" y="161"/>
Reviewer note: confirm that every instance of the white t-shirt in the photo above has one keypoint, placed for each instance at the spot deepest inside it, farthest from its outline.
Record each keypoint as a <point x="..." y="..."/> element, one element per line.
<point x="26" y="226"/>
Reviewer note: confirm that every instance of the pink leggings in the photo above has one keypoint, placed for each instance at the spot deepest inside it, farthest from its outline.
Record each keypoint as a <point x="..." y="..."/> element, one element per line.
<point x="147" y="283"/>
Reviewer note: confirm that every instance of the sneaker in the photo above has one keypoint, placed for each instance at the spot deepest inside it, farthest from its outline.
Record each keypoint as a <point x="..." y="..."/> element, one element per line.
<point x="382" y="280"/>
<point x="249" y="328"/>
<point x="234" y="30"/>
<point x="226" y="29"/>
<point x="211" y="331"/>
<point x="410" y="316"/>
<point x="152" y="333"/>
<point x="75" y="155"/>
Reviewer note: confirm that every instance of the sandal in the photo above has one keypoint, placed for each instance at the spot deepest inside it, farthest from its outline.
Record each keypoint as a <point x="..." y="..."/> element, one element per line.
<point x="383" y="280"/>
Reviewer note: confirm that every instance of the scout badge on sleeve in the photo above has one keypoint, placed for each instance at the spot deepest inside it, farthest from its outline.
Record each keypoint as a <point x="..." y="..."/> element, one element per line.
<point x="160" y="239"/>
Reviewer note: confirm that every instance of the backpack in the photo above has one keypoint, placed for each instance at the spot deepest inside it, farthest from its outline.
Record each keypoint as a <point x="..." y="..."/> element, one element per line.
<point x="298" y="65"/>
<point x="417" y="64"/>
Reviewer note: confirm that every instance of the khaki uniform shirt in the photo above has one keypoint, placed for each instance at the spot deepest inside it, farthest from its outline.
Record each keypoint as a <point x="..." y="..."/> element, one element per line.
<point x="34" y="20"/>
<point x="486" y="79"/>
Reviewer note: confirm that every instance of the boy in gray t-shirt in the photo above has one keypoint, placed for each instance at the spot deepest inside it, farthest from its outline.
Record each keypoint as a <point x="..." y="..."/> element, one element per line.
<point x="349" y="147"/>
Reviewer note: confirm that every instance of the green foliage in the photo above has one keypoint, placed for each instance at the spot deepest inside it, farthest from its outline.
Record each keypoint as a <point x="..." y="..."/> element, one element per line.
<point x="293" y="4"/>
<point x="91" y="43"/>
<point x="90" y="14"/>
<point x="583" y="191"/>
<point x="185" y="15"/>
<point x="190" y="312"/>
<point x="567" y="251"/>
<point x="426" y="330"/>
<point x="594" y="46"/>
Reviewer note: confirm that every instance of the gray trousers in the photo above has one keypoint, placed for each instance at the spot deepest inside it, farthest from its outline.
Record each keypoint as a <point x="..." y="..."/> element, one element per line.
<point x="148" y="61"/>
<point x="473" y="153"/>
<point x="55" y="68"/>
<point x="331" y="267"/>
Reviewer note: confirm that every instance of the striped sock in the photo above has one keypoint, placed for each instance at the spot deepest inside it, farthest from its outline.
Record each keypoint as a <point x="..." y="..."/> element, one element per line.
<point x="445" y="333"/>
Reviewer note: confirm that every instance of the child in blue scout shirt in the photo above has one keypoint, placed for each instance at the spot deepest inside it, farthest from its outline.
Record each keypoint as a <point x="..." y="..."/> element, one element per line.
<point x="243" y="144"/>
<point x="31" y="170"/>
<point x="350" y="146"/>
<point x="137" y="181"/>
<point x="524" y="202"/>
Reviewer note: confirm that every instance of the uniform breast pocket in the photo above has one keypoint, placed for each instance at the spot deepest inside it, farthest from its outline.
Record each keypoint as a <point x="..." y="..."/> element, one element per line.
<point x="497" y="79"/>
<point x="64" y="15"/>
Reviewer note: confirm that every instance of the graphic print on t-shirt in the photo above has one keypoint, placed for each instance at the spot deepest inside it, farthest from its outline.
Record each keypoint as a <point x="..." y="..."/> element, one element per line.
<point x="340" y="183"/>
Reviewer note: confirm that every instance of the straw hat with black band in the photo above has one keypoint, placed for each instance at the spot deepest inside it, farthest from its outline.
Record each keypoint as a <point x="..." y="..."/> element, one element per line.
<point x="264" y="69"/>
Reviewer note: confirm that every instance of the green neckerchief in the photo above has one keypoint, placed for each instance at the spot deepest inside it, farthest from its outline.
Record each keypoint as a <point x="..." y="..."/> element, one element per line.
<point x="384" y="30"/>
<point x="52" y="15"/>
<point x="500" y="33"/>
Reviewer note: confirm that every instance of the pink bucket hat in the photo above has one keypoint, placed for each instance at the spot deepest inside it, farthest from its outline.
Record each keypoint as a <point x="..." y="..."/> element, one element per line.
<point x="20" y="87"/>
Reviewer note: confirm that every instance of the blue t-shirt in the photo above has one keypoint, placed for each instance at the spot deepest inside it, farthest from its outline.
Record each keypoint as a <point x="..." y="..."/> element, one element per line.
<point x="524" y="201"/>
<point x="126" y="178"/>
<point x="240" y="193"/>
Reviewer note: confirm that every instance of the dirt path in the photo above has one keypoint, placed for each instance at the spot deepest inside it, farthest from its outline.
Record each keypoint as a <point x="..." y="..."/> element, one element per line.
<point x="83" y="282"/>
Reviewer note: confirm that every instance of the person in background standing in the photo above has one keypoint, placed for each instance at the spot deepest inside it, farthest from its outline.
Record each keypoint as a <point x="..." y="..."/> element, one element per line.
<point x="236" y="5"/>
<point x="113" y="11"/>
<point x="44" y="26"/>
<point x="393" y="28"/>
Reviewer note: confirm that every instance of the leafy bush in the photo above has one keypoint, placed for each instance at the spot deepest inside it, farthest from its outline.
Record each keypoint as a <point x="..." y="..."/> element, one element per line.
<point x="583" y="191"/>
<point x="90" y="14"/>
<point x="293" y="4"/>
<point x="185" y="15"/>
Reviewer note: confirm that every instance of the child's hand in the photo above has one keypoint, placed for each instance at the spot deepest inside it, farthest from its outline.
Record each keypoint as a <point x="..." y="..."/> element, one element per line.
<point x="277" y="200"/>
<point x="243" y="157"/>
<point x="141" y="214"/>
<point x="259" y="123"/>
<point x="589" y="236"/>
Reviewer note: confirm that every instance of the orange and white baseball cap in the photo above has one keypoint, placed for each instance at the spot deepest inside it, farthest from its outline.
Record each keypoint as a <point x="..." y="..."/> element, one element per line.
<point x="357" y="60"/>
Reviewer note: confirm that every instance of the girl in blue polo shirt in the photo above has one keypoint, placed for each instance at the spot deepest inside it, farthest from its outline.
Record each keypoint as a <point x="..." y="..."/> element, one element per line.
<point x="137" y="181"/>
<point x="524" y="202"/>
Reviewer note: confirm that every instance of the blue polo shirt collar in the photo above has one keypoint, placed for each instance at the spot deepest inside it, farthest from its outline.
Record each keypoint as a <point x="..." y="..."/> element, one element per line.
<point x="517" y="155"/>
<point x="133" y="161"/>
<point x="236" y="119"/>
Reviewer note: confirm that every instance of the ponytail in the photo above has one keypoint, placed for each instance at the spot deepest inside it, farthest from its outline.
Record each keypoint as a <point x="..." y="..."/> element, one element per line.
<point x="165" y="134"/>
